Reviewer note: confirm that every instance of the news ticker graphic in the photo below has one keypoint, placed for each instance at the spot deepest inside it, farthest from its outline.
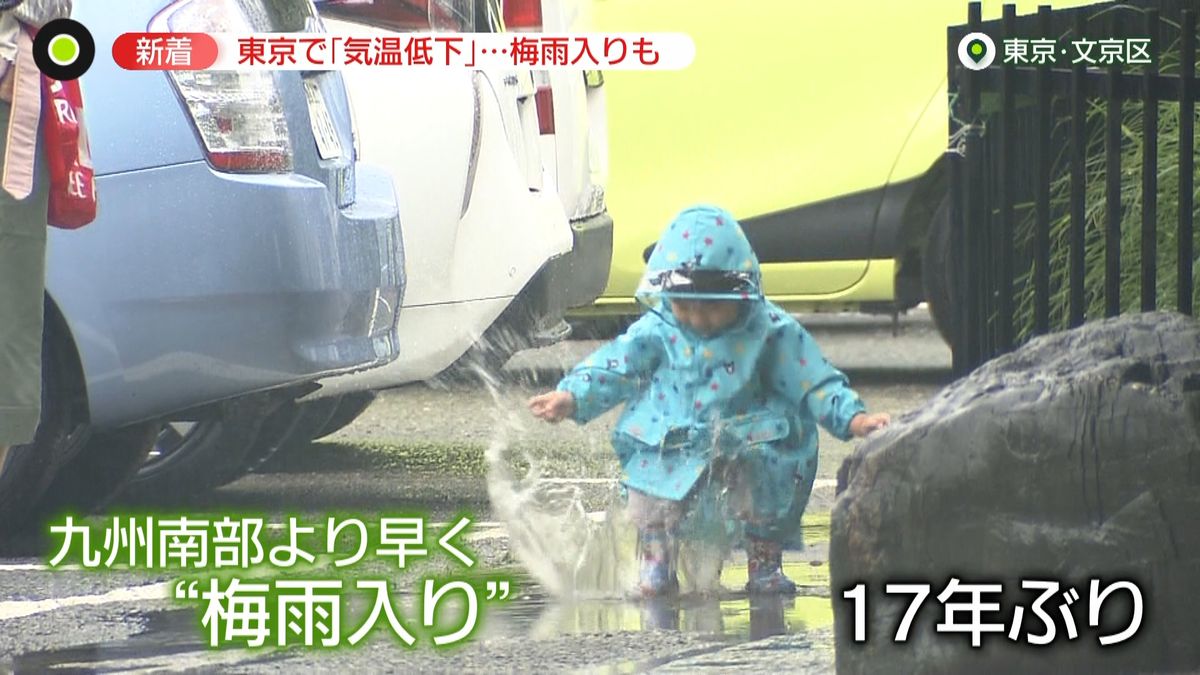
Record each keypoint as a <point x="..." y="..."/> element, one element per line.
<point x="64" y="49"/>
<point x="328" y="51"/>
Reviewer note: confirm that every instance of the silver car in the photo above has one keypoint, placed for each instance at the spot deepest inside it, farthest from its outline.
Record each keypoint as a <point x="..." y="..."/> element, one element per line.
<point x="240" y="253"/>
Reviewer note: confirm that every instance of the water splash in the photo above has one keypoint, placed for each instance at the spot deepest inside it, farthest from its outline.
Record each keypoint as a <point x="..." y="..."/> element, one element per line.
<point x="700" y="566"/>
<point x="571" y="552"/>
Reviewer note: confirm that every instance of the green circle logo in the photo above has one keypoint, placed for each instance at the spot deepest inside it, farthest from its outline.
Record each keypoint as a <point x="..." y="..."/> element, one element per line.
<point x="64" y="49"/>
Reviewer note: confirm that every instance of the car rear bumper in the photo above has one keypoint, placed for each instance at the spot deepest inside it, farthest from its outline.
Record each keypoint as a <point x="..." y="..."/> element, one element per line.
<point x="193" y="286"/>
<point x="577" y="278"/>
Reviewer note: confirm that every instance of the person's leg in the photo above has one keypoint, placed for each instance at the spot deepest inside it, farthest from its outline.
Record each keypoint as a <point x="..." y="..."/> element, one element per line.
<point x="706" y="532"/>
<point x="657" y="522"/>
<point x="779" y="488"/>
<point x="764" y="567"/>
<point x="22" y="281"/>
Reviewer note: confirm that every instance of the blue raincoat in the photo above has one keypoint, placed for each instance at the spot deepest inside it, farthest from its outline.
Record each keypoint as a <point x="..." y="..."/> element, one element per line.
<point x="742" y="404"/>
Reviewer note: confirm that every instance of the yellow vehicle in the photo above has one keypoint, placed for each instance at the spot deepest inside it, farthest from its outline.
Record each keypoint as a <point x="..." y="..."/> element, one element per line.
<point x="820" y="125"/>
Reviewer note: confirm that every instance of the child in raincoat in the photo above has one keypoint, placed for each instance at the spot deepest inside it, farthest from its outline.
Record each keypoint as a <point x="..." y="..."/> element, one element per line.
<point x="723" y="392"/>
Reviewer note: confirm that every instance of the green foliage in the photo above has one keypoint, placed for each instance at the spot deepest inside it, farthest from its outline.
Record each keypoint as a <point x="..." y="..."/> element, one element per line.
<point x="1132" y="156"/>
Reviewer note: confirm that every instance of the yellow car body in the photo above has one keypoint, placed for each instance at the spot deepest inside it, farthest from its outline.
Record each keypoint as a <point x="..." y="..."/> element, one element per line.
<point x="820" y="125"/>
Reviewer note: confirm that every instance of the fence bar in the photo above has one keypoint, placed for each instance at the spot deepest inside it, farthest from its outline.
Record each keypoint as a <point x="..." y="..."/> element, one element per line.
<point x="1112" y="176"/>
<point x="1187" y="113"/>
<point x="957" y="187"/>
<point x="1008" y="168"/>
<point x="957" y="165"/>
<point x="1041" y="261"/>
<point x="1150" y="175"/>
<point x="1078" y="153"/>
<point x="974" y="217"/>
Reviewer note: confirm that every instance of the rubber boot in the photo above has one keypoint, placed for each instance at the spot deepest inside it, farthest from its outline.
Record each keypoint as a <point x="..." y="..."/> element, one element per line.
<point x="657" y="550"/>
<point x="764" y="562"/>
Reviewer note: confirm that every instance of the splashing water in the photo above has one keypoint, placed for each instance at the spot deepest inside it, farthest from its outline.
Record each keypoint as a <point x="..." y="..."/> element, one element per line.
<point x="571" y="552"/>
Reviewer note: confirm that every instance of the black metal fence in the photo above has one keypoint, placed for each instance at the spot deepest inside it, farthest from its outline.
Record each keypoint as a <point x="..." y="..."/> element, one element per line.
<point x="1071" y="173"/>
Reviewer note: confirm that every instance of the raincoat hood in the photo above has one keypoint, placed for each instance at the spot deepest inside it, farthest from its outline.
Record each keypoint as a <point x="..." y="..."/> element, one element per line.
<point x="703" y="255"/>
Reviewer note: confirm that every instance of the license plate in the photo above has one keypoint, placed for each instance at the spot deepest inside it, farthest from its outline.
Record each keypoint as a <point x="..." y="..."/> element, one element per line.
<point x="329" y="146"/>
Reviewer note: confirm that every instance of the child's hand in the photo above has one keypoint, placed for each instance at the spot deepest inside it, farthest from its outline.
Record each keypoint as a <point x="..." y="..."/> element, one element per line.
<point x="554" y="406"/>
<point x="863" y="424"/>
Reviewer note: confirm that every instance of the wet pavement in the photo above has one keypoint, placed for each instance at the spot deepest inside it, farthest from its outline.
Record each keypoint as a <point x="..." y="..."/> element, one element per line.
<point x="421" y="450"/>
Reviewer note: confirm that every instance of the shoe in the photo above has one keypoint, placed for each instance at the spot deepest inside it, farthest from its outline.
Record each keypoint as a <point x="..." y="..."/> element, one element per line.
<point x="656" y="570"/>
<point x="764" y="562"/>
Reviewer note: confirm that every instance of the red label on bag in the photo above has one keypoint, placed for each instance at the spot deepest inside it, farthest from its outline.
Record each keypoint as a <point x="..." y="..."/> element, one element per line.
<point x="72" y="201"/>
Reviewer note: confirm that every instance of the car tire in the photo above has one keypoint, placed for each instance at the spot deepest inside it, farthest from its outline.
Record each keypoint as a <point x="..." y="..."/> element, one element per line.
<point x="292" y="425"/>
<point x="938" y="276"/>
<point x="349" y="408"/>
<point x="601" y="327"/>
<point x="193" y="460"/>
<point x="91" y="479"/>
<point x="29" y="469"/>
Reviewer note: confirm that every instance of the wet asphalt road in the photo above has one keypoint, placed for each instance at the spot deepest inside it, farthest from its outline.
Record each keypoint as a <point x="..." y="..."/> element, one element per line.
<point x="420" y="450"/>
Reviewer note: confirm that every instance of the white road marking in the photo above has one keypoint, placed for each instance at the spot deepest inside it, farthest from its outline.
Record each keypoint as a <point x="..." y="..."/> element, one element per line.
<point x="580" y="481"/>
<point x="13" y="609"/>
<point x="175" y="662"/>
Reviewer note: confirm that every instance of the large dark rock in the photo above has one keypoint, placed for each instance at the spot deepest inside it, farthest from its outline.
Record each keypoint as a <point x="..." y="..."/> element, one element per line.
<point x="1075" y="457"/>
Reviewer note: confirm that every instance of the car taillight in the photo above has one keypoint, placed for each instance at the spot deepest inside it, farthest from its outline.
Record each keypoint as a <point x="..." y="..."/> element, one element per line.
<point x="523" y="15"/>
<point x="238" y="115"/>
<point x="544" y="98"/>
<point x="526" y="16"/>
<point x="405" y="15"/>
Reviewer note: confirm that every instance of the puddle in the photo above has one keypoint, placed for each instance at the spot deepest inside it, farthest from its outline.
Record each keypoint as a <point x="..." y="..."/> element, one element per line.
<point x="732" y="618"/>
<point x="728" y="615"/>
<point x="170" y="641"/>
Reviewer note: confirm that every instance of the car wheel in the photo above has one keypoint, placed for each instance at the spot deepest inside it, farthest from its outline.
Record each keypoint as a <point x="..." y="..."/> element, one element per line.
<point x="292" y="424"/>
<point x="90" y="480"/>
<point x="349" y="408"/>
<point x="194" y="457"/>
<point x="601" y="327"/>
<point x="28" y="470"/>
<point x="938" y="277"/>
